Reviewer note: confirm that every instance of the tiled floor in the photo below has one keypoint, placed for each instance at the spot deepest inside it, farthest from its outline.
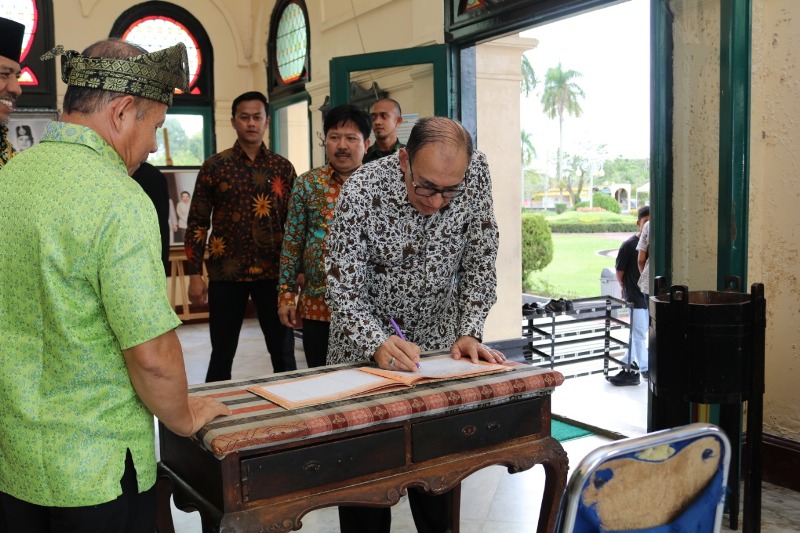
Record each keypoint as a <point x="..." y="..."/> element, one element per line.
<point x="493" y="501"/>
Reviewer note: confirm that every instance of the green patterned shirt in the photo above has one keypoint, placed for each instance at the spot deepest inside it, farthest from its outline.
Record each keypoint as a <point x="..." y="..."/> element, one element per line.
<point x="81" y="280"/>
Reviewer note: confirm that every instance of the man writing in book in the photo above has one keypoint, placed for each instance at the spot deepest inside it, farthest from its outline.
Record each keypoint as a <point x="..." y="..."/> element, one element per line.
<point x="413" y="240"/>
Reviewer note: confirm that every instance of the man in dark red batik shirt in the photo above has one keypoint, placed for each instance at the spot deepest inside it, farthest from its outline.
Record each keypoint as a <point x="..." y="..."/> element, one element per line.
<point x="241" y="198"/>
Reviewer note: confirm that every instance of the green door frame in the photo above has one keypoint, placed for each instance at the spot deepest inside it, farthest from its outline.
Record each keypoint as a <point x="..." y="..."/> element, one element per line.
<point x="209" y="137"/>
<point x="274" y="137"/>
<point x="734" y="141"/>
<point x="734" y="136"/>
<point x="341" y="67"/>
<point x="661" y="168"/>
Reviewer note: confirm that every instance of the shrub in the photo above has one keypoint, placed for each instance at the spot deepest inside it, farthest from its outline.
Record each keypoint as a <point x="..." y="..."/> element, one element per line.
<point x="560" y="207"/>
<point x="597" y="227"/>
<point x="606" y="202"/>
<point x="537" y="244"/>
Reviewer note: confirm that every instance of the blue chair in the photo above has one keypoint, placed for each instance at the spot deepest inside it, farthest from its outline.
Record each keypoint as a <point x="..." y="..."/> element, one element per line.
<point x="672" y="480"/>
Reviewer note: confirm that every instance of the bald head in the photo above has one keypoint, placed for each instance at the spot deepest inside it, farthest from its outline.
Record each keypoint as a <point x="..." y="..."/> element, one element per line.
<point x="441" y="130"/>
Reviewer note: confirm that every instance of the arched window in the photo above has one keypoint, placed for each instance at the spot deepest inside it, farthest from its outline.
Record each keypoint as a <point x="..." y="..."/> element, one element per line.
<point x="188" y="134"/>
<point x="288" y="71"/>
<point x="288" y="48"/>
<point x="38" y="77"/>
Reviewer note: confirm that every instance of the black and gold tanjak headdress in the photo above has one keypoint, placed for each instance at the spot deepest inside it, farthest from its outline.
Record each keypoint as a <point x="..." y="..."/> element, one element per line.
<point x="153" y="75"/>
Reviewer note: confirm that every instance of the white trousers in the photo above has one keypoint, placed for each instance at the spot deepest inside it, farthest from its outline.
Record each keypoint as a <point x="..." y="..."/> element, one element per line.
<point x="637" y="351"/>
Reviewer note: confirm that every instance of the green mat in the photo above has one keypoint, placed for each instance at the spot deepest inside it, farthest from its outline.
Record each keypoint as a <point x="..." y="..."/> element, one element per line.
<point x="563" y="432"/>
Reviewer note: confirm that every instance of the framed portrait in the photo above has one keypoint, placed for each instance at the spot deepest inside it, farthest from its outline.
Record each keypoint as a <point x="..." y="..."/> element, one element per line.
<point x="25" y="127"/>
<point x="180" y="185"/>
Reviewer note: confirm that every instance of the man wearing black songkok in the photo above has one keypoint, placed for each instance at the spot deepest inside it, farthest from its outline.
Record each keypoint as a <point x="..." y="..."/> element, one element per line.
<point x="11" y="34"/>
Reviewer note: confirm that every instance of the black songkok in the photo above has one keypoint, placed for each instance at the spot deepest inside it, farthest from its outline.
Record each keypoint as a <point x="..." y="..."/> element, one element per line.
<point x="11" y="33"/>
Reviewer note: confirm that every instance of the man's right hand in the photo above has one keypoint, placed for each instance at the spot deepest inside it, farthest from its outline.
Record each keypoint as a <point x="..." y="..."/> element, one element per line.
<point x="288" y="316"/>
<point x="204" y="410"/>
<point x="198" y="290"/>
<point x="397" y="354"/>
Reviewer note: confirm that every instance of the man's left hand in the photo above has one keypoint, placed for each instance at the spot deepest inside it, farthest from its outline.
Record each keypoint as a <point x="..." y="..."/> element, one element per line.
<point x="466" y="346"/>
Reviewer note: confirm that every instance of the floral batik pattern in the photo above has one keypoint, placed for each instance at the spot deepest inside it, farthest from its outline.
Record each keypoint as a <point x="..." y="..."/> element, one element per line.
<point x="435" y="275"/>
<point x="242" y="204"/>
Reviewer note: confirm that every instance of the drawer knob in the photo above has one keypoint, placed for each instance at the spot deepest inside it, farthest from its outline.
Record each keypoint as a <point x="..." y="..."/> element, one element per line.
<point x="469" y="430"/>
<point x="494" y="425"/>
<point x="312" y="466"/>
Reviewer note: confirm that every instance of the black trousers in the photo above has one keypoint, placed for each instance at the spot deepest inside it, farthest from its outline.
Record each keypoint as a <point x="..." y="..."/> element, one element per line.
<point x="315" y="341"/>
<point x="227" y="301"/>
<point x="431" y="515"/>
<point x="130" y="513"/>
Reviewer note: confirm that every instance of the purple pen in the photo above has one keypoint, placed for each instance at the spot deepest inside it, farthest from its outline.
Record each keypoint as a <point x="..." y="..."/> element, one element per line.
<point x="400" y="333"/>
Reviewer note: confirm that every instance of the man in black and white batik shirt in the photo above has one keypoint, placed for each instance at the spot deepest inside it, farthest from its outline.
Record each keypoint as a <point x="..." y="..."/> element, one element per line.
<point x="414" y="239"/>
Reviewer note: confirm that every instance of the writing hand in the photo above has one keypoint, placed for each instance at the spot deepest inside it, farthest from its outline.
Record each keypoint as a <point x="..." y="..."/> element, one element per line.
<point x="397" y="354"/>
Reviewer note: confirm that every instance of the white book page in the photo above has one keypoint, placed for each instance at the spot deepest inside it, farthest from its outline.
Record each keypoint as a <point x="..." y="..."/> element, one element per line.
<point x="339" y="383"/>
<point x="445" y="367"/>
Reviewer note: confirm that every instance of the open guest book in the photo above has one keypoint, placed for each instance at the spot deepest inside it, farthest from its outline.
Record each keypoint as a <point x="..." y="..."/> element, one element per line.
<point x="341" y="384"/>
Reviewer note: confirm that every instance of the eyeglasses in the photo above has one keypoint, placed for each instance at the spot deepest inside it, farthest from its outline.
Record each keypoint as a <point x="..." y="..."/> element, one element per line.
<point x="427" y="191"/>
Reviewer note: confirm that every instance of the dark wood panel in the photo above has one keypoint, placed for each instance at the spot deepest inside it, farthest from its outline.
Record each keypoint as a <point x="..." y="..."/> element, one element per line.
<point x="316" y="466"/>
<point x="196" y="466"/>
<point x="474" y="430"/>
<point x="782" y="462"/>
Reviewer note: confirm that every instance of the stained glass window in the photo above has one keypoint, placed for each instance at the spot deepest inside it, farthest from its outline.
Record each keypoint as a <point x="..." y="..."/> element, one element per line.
<point x="291" y="43"/>
<point x="157" y="32"/>
<point x="24" y="12"/>
<point x="472" y="5"/>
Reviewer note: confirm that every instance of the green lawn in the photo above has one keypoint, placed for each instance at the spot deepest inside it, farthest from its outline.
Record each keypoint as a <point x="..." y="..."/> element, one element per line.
<point x="576" y="266"/>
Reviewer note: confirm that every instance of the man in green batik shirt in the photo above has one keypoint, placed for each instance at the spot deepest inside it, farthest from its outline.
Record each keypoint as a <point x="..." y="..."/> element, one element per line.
<point x="89" y="350"/>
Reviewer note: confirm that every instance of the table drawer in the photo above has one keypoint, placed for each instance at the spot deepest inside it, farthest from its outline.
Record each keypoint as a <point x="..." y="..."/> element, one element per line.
<point x="316" y="466"/>
<point x="475" y="429"/>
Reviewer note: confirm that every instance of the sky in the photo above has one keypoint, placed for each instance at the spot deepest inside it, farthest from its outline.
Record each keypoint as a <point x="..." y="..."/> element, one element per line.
<point x="610" y="47"/>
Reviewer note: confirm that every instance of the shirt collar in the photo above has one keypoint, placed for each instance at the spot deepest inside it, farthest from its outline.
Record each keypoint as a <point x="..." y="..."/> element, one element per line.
<point x="66" y="132"/>
<point x="239" y="151"/>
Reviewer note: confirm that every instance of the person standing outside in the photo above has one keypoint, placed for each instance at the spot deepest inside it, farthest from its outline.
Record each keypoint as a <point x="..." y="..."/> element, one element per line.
<point x="413" y="240"/>
<point x="241" y="198"/>
<point x="386" y="117"/>
<point x="89" y="348"/>
<point x="311" y="208"/>
<point x="11" y="33"/>
<point x="644" y="259"/>
<point x="628" y="276"/>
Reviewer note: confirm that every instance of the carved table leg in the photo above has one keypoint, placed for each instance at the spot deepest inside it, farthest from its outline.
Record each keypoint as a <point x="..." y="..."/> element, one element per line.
<point x="163" y="512"/>
<point x="556" y="465"/>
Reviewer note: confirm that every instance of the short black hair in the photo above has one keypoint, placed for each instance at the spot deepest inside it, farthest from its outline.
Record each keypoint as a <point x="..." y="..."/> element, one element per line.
<point x="644" y="211"/>
<point x="343" y="114"/>
<point x="246" y="97"/>
<point x="392" y="101"/>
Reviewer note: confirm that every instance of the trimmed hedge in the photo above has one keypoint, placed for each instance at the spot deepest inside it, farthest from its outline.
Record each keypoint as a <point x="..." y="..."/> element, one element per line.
<point x="595" y="227"/>
<point x="537" y="244"/>
<point x="606" y="202"/>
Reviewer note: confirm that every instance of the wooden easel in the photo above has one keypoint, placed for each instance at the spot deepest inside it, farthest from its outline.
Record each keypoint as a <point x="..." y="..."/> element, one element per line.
<point x="178" y="286"/>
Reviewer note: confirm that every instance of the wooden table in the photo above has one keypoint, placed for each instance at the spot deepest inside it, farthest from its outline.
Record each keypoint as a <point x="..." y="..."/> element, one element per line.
<point x="264" y="467"/>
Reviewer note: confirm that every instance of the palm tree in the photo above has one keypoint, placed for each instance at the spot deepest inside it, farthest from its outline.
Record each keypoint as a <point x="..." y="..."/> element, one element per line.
<point x="528" y="150"/>
<point x="561" y="95"/>
<point x="529" y="80"/>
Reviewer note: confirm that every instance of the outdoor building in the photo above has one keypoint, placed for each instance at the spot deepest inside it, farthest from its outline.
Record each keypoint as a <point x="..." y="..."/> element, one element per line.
<point x="716" y="162"/>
